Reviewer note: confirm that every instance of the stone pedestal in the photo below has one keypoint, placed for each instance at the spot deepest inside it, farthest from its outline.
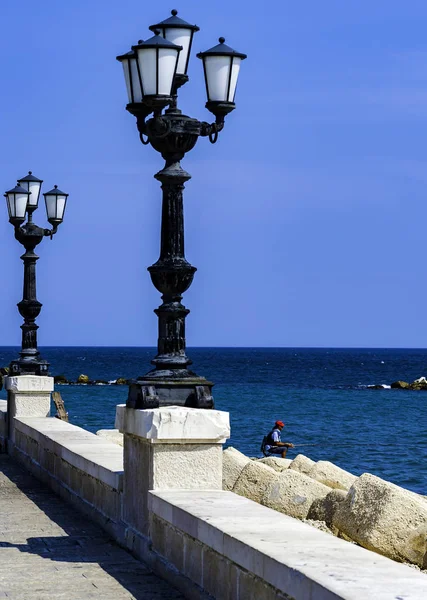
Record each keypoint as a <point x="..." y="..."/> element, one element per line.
<point x="27" y="396"/>
<point x="171" y="447"/>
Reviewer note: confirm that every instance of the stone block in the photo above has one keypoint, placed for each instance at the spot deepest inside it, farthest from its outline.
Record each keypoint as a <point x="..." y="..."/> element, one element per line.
<point x="29" y="384"/>
<point x="324" y="509"/>
<point x="276" y="463"/>
<point x="331" y="475"/>
<point x="233" y="463"/>
<point x="254" y="480"/>
<point x="217" y="575"/>
<point x="293" y="493"/>
<point x="302" y="464"/>
<point x="192" y="466"/>
<point x="174" y="424"/>
<point x="111" y="435"/>
<point x="385" y="518"/>
<point x="193" y="556"/>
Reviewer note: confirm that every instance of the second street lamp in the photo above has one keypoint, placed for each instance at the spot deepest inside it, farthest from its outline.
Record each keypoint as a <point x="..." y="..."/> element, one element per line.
<point x="154" y="71"/>
<point x="22" y="201"/>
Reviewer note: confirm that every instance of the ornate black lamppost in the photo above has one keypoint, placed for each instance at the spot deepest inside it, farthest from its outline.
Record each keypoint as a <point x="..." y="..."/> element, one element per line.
<point x="154" y="71"/>
<point x="22" y="201"/>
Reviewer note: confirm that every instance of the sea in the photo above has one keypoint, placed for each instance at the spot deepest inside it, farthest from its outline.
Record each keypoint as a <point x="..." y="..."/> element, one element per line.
<point x="321" y="394"/>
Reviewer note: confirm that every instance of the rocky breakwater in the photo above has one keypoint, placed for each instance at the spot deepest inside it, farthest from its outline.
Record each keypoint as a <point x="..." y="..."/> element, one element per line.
<point x="366" y="510"/>
<point x="417" y="384"/>
<point x="85" y="380"/>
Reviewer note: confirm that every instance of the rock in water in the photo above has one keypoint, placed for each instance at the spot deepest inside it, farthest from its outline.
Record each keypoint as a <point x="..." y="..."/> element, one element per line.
<point x="302" y="464"/>
<point x="233" y="463"/>
<point x="83" y="379"/>
<point x="254" y="480"/>
<point x="331" y="475"/>
<point x="385" y="518"/>
<point x="293" y="493"/>
<point x="400" y="385"/>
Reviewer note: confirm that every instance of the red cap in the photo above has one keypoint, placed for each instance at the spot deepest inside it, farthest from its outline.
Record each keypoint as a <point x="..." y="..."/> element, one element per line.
<point x="280" y="423"/>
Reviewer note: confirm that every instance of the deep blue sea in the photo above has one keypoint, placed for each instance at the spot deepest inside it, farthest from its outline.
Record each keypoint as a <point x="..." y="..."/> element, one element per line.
<point x="321" y="394"/>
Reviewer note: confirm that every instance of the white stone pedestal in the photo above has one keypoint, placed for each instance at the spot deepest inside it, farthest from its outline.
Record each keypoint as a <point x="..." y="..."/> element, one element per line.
<point x="27" y="396"/>
<point x="166" y="448"/>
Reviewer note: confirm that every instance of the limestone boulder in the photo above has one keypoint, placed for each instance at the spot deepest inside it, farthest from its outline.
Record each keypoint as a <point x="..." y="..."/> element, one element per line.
<point x="324" y="509"/>
<point x="111" y="435"/>
<point x="233" y="463"/>
<point x="331" y="475"/>
<point x="254" y="480"/>
<point x="293" y="493"/>
<point x="385" y="518"/>
<point x="302" y="464"/>
<point x="276" y="463"/>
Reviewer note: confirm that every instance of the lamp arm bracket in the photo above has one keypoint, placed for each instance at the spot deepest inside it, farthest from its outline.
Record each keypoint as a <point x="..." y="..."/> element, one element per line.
<point x="142" y="128"/>
<point x="211" y="130"/>
<point x="50" y="232"/>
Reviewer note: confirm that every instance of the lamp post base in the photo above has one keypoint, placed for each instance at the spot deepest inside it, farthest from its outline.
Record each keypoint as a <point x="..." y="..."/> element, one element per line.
<point x="170" y="388"/>
<point x="29" y="367"/>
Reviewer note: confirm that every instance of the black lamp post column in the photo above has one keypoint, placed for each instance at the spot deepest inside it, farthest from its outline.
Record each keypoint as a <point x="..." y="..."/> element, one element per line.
<point x="29" y="362"/>
<point x="171" y="382"/>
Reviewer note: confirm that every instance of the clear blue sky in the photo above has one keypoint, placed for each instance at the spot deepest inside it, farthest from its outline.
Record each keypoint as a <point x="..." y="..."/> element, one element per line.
<point x="306" y="220"/>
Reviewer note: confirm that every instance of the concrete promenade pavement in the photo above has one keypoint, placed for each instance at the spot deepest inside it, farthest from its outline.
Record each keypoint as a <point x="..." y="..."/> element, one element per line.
<point x="49" y="551"/>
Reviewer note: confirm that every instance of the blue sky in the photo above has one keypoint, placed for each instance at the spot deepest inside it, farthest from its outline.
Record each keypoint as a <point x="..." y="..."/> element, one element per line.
<point x="305" y="220"/>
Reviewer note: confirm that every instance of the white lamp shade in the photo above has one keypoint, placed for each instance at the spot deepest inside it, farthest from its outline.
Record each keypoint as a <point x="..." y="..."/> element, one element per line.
<point x="17" y="200"/>
<point x="222" y="66"/>
<point x="221" y="77"/>
<point x="180" y="37"/>
<point x="33" y="185"/>
<point x="157" y="67"/>
<point x="55" y="204"/>
<point x="178" y="32"/>
<point x="132" y="77"/>
<point x="17" y="204"/>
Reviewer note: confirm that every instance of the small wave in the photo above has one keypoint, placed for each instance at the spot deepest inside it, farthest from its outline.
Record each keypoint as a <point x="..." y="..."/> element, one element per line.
<point x="377" y="385"/>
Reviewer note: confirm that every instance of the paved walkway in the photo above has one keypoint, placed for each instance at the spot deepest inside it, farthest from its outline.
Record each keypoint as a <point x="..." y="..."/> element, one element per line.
<point x="48" y="551"/>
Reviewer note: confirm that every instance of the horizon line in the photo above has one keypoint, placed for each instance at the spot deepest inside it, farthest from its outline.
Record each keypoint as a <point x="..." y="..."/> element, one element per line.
<point x="238" y="347"/>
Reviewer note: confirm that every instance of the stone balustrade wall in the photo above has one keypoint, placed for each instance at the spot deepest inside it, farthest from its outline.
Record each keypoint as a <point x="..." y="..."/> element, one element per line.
<point x="208" y="543"/>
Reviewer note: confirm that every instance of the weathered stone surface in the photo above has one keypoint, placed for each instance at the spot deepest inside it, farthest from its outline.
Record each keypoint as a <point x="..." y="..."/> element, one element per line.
<point x="254" y="480"/>
<point x="321" y="525"/>
<point x="276" y="463"/>
<point x="233" y="463"/>
<point x="29" y="384"/>
<point x="302" y="464"/>
<point x="174" y="423"/>
<point x="323" y="509"/>
<point x="382" y="517"/>
<point x="293" y="493"/>
<point x="111" y="435"/>
<point x="331" y="475"/>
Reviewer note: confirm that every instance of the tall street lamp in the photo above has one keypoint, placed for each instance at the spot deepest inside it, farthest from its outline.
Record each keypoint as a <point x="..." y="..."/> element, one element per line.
<point x="154" y="70"/>
<point x="22" y="201"/>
